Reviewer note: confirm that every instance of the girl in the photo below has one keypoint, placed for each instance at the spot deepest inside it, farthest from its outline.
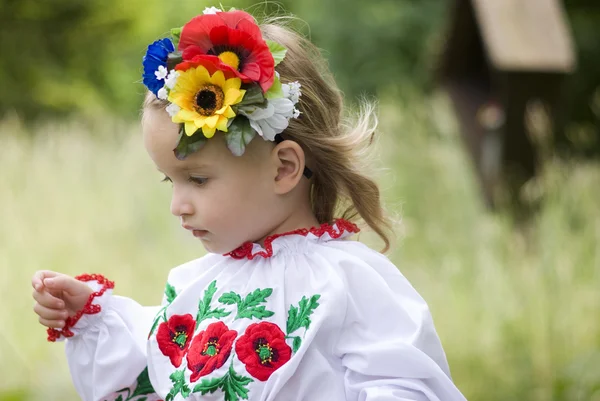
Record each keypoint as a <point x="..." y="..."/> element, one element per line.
<point x="244" y="121"/>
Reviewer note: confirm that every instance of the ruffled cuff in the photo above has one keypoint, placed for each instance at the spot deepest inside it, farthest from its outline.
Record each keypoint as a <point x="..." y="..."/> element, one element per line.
<point x="102" y="288"/>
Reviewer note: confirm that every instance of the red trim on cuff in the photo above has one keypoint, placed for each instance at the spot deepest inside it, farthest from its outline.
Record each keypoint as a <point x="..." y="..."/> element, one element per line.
<point x="245" y="250"/>
<point x="54" y="334"/>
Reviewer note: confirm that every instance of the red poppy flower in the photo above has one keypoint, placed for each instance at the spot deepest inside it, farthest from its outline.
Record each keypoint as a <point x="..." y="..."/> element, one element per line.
<point x="234" y="39"/>
<point x="263" y="349"/>
<point x="210" y="349"/>
<point x="174" y="337"/>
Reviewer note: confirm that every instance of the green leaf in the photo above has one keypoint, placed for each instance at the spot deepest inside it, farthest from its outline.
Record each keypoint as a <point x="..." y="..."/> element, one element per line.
<point x="173" y="59"/>
<point x="170" y="293"/>
<point x="292" y="318"/>
<point x="234" y="387"/>
<point x="185" y="391"/>
<point x="239" y="134"/>
<point x="278" y="51"/>
<point x="204" y="311"/>
<point x="157" y="320"/>
<point x="209" y="385"/>
<point x="254" y="96"/>
<point x="250" y="308"/>
<point x="186" y="145"/>
<point x="298" y="318"/>
<point x="119" y="398"/>
<point x="297" y="344"/>
<point x="179" y="386"/>
<point x="275" y="90"/>
<point x="176" y="35"/>
<point x="143" y="386"/>
<point x="142" y="399"/>
<point x="230" y="298"/>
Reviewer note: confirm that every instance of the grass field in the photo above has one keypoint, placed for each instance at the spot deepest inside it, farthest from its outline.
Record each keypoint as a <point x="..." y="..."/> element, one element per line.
<point x="517" y="304"/>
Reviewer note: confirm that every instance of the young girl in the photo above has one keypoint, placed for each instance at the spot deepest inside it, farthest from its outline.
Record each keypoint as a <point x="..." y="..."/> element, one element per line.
<point x="245" y="122"/>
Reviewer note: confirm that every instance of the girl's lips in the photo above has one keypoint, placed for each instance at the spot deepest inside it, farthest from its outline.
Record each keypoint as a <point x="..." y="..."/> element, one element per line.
<point x="199" y="233"/>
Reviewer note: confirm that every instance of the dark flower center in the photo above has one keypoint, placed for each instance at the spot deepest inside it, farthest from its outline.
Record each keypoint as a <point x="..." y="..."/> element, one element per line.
<point x="211" y="348"/>
<point x="209" y="99"/>
<point x="180" y="338"/>
<point x="264" y="351"/>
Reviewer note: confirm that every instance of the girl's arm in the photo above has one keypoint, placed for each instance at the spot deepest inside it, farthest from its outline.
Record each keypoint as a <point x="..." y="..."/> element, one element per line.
<point x="105" y="341"/>
<point x="388" y="344"/>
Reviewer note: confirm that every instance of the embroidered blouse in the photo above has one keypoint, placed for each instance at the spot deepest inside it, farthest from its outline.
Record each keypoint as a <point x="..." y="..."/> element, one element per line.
<point x="307" y="317"/>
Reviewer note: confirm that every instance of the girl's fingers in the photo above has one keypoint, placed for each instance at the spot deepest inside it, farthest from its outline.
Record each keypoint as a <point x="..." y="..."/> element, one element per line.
<point x="50" y="314"/>
<point x="38" y="278"/>
<point x="47" y="300"/>
<point x="55" y="324"/>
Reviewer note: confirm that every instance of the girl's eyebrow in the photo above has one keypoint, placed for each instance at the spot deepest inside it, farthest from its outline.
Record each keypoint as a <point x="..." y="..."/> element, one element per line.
<point x="197" y="166"/>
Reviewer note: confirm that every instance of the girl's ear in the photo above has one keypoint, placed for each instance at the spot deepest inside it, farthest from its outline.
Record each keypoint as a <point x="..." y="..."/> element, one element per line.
<point x="290" y="161"/>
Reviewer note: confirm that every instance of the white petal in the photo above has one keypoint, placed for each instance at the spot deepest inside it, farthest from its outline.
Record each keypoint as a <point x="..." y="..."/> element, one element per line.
<point x="211" y="10"/>
<point x="173" y="109"/>
<point x="259" y="113"/>
<point x="256" y="126"/>
<point x="161" y="73"/>
<point x="162" y="94"/>
<point x="267" y="132"/>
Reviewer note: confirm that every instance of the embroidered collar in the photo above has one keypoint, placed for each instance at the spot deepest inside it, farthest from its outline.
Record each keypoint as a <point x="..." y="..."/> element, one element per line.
<point x="337" y="230"/>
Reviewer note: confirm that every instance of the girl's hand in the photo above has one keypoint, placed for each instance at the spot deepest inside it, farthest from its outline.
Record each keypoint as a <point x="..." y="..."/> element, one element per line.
<point x="57" y="296"/>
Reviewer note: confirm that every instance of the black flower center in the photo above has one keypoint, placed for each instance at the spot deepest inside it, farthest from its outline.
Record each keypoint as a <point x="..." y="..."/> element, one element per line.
<point x="209" y="99"/>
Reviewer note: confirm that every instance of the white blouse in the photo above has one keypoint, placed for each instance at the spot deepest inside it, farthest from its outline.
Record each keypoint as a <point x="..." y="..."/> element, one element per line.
<point x="308" y="317"/>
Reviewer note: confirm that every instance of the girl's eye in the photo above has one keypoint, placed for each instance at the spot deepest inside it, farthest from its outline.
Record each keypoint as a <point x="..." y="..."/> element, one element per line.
<point x="198" y="180"/>
<point x="166" y="179"/>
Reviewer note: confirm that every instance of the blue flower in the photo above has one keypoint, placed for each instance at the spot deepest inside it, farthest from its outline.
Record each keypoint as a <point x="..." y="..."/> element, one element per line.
<point x="155" y="57"/>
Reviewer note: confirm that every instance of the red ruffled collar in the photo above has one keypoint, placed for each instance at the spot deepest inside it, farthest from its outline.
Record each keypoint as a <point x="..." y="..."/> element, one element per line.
<point x="339" y="228"/>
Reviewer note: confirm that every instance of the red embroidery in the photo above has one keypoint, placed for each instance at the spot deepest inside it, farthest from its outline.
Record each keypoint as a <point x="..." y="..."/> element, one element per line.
<point x="263" y="349"/>
<point x="210" y="350"/>
<point x="54" y="334"/>
<point x="174" y="337"/>
<point x="245" y="250"/>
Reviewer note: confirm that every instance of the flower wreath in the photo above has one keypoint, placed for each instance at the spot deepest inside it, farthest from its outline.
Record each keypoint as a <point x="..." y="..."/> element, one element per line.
<point x="218" y="74"/>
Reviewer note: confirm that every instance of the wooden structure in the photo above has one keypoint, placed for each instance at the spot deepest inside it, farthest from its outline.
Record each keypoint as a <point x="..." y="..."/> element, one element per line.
<point x="500" y="55"/>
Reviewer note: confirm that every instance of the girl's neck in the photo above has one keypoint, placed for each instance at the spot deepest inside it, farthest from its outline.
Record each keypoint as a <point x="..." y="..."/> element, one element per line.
<point x="300" y="218"/>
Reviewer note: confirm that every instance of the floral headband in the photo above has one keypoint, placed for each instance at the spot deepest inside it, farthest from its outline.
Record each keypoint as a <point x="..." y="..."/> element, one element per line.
<point x="218" y="74"/>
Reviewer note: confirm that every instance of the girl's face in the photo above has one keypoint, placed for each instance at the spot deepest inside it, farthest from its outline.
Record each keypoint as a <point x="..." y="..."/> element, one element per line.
<point x="224" y="200"/>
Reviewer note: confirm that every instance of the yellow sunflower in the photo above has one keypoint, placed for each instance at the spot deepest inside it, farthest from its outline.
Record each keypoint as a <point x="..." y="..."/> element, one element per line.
<point x="205" y="100"/>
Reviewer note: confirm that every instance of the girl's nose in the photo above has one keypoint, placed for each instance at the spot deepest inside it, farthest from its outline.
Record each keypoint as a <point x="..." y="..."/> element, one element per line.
<point x="181" y="203"/>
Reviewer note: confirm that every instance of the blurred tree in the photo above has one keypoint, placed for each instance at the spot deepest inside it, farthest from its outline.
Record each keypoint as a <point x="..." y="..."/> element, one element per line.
<point x="70" y="56"/>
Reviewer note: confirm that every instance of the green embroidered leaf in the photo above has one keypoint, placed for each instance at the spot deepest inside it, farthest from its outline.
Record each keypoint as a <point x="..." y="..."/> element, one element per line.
<point x="143" y="386"/>
<point x="119" y="398"/>
<point x="142" y="399"/>
<point x="239" y="134"/>
<point x="209" y="385"/>
<point x="234" y="387"/>
<point x="159" y="315"/>
<point x="278" y="51"/>
<point x="204" y="311"/>
<point x="179" y="385"/>
<point x="275" y="90"/>
<point x="230" y="298"/>
<point x="170" y="293"/>
<point x="297" y="344"/>
<point x="300" y="317"/>
<point x="250" y="308"/>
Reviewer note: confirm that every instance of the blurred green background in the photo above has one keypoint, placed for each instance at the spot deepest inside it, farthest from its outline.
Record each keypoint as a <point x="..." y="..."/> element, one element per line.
<point x="516" y="302"/>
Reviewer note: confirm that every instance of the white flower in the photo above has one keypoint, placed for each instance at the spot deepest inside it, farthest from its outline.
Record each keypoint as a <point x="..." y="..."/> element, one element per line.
<point x="271" y="120"/>
<point x="162" y="93"/>
<point x="211" y="10"/>
<point x="292" y="91"/>
<point x="296" y="113"/>
<point x="173" y="109"/>
<point x="161" y="73"/>
<point x="171" y="79"/>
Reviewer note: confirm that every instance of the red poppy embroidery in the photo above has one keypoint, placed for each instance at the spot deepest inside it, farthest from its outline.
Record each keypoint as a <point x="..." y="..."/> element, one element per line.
<point x="263" y="349"/>
<point x="174" y="337"/>
<point x="210" y="349"/>
<point x="245" y="250"/>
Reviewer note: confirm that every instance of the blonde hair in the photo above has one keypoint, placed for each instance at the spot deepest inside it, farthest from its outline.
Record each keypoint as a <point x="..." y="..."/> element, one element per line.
<point x="335" y="144"/>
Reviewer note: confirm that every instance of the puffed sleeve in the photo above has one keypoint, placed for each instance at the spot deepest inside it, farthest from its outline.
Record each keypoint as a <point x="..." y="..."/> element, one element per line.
<point x="388" y="344"/>
<point x="106" y="346"/>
